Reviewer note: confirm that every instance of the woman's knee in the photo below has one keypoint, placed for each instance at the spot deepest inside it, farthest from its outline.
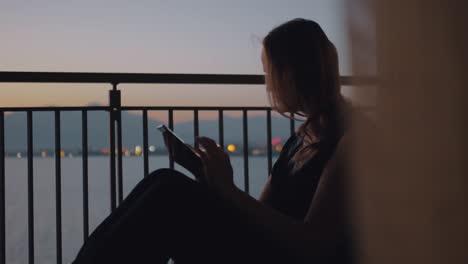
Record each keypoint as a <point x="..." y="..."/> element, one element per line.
<point x="168" y="176"/>
<point x="176" y="183"/>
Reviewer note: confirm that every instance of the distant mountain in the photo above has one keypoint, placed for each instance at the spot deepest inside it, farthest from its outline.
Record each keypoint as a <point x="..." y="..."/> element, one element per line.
<point x="98" y="124"/>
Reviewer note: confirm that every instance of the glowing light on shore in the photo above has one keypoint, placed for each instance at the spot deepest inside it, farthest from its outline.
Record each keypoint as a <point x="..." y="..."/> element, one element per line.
<point x="43" y="154"/>
<point x="105" y="151"/>
<point x="231" y="148"/>
<point x="278" y="148"/>
<point x="275" y="141"/>
<point x="256" y="152"/>
<point x="138" y="150"/>
<point x="152" y="148"/>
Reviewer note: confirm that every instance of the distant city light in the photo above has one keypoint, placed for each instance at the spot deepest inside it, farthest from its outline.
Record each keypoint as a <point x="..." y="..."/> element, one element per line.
<point x="278" y="148"/>
<point x="18" y="155"/>
<point x="231" y="148"/>
<point x="275" y="141"/>
<point x="138" y="151"/>
<point x="257" y="152"/>
<point x="105" y="151"/>
<point x="152" y="148"/>
<point x="127" y="153"/>
<point x="43" y="154"/>
<point x="62" y="153"/>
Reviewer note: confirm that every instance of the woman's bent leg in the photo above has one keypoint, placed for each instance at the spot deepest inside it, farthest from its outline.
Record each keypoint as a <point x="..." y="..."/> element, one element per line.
<point x="168" y="214"/>
<point x="123" y="237"/>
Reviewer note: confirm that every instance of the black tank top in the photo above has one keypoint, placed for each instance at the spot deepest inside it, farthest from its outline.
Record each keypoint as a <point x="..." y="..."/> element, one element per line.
<point x="293" y="190"/>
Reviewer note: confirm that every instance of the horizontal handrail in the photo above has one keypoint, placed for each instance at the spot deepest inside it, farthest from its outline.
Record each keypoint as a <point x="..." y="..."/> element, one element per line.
<point x="148" y="108"/>
<point x="150" y="78"/>
<point x="131" y="108"/>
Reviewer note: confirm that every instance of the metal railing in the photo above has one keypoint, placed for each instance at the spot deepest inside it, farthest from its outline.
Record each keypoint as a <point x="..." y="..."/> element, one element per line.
<point x="115" y="135"/>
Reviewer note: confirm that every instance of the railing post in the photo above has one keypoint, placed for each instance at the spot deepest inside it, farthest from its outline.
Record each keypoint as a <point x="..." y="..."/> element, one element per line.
<point x="171" y="127"/>
<point x="30" y="187"/>
<point x="119" y="152"/>
<point x="246" y="150"/>
<point x="221" y="128"/>
<point x="292" y="125"/>
<point x="114" y="111"/>
<point x="84" y="156"/>
<point x="145" y="144"/>
<point x="269" y="146"/>
<point x="58" y="187"/>
<point x="2" y="190"/>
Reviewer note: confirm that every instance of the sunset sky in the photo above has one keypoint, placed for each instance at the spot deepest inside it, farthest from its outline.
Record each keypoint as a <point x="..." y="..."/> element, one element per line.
<point x="149" y="36"/>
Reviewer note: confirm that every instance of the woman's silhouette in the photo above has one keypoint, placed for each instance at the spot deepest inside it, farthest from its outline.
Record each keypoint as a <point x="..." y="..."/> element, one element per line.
<point x="301" y="216"/>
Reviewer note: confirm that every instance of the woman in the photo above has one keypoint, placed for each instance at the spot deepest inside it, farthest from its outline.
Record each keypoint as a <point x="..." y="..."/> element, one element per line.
<point x="301" y="214"/>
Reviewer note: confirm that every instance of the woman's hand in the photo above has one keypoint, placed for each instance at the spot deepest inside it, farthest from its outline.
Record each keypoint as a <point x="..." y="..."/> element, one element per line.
<point x="218" y="172"/>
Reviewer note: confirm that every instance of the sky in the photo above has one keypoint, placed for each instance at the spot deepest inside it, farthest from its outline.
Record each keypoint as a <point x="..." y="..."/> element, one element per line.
<point x="149" y="36"/>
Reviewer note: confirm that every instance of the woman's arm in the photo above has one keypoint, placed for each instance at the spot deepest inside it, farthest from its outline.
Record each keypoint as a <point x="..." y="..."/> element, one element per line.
<point x="311" y="239"/>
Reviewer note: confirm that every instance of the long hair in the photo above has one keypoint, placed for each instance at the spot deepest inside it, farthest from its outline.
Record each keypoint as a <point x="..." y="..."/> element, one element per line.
<point x="304" y="79"/>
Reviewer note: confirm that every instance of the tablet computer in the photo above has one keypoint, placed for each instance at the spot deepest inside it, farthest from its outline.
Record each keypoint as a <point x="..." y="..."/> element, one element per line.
<point x="180" y="152"/>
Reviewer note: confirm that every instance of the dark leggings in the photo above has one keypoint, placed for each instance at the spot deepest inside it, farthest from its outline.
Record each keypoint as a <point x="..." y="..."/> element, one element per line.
<point x="168" y="215"/>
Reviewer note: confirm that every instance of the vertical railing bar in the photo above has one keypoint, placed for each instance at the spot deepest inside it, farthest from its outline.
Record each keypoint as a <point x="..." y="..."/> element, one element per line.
<point x="269" y="139"/>
<point x="112" y="158"/>
<point x="84" y="157"/>
<point x="171" y="127"/>
<point x="114" y="106"/>
<point x="2" y="190"/>
<point x="196" y="128"/>
<point x="30" y="188"/>
<point x="246" y="151"/>
<point x="145" y="144"/>
<point x="58" y="188"/>
<point x="292" y="125"/>
<point x="221" y="128"/>
<point x="119" y="156"/>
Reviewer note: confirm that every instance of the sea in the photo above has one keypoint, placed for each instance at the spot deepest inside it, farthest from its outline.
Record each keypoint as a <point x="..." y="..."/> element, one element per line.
<point x="16" y="199"/>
